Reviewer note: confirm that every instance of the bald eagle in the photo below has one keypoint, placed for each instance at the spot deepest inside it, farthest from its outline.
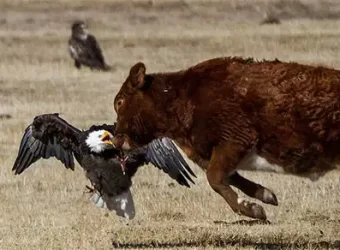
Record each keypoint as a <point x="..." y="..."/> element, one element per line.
<point x="84" y="48"/>
<point x="108" y="169"/>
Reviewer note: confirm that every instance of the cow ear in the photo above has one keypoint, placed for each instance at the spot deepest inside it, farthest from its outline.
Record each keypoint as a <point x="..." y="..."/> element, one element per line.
<point x="137" y="75"/>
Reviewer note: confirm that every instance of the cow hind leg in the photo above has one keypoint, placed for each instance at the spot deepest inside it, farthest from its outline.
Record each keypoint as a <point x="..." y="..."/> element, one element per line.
<point x="223" y="163"/>
<point x="252" y="189"/>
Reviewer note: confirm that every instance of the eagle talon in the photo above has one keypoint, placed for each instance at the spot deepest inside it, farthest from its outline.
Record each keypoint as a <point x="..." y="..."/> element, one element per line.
<point x="89" y="189"/>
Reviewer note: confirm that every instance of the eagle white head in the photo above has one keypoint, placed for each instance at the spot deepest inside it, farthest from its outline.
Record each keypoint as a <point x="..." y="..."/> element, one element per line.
<point x="99" y="140"/>
<point x="80" y="29"/>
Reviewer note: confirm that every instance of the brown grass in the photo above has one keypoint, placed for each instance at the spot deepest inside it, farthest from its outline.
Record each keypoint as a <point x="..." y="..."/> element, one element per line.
<point x="45" y="208"/>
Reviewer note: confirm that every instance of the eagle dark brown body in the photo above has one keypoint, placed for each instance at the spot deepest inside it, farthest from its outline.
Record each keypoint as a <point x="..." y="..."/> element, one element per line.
<point x="84" y="48"/>
<point x="232" y="113"/>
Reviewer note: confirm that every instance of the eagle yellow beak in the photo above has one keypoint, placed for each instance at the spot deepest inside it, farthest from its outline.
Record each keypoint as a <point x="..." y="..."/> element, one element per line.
<point x="106" y="138"/>
<point x="108" y="142"/>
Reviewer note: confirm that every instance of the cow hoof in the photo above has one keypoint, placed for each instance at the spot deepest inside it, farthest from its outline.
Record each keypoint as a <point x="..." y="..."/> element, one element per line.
<point x="257" y="212"/>
<point x="269" y="197"/>
<point x="252" y="210"/>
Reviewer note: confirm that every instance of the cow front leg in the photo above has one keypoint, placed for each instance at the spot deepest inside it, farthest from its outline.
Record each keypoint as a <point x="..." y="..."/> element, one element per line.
<point x="252" y="189"/>
<point x="222" y="165"/>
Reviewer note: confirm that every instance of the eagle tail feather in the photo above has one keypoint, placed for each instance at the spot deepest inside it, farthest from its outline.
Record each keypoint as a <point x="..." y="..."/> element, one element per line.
<point x="122" y="204"/>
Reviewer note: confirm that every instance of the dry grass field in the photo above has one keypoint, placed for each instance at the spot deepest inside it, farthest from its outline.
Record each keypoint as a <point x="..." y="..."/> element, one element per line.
<point x="45" y="208"/>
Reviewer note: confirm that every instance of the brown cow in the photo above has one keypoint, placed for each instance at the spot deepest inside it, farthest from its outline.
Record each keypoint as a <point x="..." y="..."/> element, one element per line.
<point x="232" y="113"/>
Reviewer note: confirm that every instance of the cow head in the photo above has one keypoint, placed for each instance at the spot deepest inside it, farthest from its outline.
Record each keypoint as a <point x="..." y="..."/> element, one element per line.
<point x="138" y="107"/>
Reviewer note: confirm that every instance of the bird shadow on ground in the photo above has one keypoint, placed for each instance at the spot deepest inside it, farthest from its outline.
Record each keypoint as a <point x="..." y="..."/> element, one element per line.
<point x="243" y="222"/>
<point x="5" y="116"/>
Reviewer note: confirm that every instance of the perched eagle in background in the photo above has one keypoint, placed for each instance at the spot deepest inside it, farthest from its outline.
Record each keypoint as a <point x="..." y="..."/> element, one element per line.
<point x="84" y="48"/>
<point x="109" y="169"/>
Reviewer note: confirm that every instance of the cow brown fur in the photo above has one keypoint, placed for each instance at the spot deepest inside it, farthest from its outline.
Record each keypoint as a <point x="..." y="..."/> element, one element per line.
<point x="224" y="111"/>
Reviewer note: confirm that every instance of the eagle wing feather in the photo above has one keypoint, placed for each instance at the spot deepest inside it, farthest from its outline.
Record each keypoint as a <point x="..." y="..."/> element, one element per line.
<point x="163" y="154"/>
<point x="47" y="136"/>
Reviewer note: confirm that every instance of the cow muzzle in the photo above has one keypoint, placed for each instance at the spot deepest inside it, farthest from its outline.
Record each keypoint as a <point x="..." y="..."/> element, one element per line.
<point x="121" y="142"/>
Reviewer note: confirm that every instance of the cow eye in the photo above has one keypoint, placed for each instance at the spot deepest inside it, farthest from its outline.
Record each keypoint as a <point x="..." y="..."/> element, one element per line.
<point x="119" y="103"/>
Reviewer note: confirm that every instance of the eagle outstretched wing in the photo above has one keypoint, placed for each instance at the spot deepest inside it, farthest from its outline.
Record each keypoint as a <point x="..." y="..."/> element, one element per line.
<point x="47" y="136"/>
<point x="163" y="154"/>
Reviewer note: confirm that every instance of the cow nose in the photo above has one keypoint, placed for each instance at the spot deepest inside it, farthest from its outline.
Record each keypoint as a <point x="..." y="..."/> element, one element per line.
<point x="118" y="141"/>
